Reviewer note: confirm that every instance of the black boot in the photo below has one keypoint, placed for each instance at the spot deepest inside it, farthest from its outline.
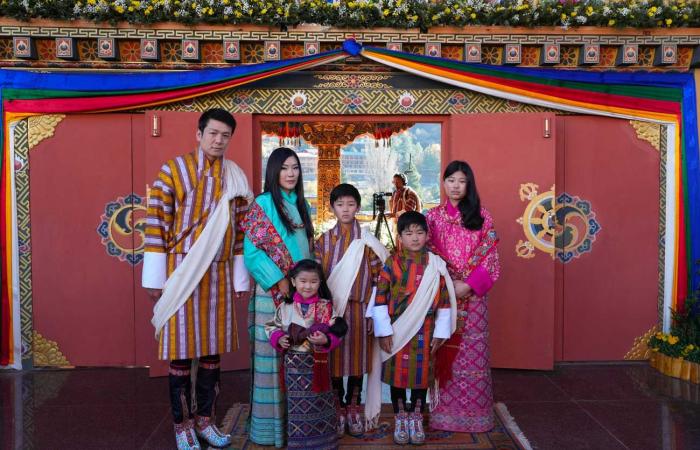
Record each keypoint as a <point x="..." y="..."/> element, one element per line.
<point x="207" y="389"/>
<point x="180" y="386"/>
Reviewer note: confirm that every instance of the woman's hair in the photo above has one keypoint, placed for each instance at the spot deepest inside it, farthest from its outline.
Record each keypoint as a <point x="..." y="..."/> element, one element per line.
<point x="272" y="185"/>
<point x="309" y="265"/>
<point x="470" y="205"/>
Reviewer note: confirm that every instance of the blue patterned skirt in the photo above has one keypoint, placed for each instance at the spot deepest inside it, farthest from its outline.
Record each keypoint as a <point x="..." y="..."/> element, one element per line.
<point x="311" y="415"/>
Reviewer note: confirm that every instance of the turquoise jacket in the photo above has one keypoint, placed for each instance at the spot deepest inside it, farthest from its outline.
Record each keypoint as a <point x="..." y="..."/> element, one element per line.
<point x="261" y="267"/>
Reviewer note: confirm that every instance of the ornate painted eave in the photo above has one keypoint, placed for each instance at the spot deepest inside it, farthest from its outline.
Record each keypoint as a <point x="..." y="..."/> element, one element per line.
<point x="81" y="44"/>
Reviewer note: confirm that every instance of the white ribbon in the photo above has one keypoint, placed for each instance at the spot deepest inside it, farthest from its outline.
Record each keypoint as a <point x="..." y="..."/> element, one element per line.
<point x="343" y="276"/>
<point x="405" y="328"/>
<point x="183" y="281"/>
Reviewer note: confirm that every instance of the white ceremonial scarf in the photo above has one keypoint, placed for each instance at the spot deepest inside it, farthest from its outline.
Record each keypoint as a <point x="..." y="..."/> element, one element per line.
<point x="405" y="328"/>
<point x="343" y="276"/>
<point x="183" y="281"/>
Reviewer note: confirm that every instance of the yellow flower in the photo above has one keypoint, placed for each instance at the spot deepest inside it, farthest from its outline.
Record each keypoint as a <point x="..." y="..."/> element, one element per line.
<point x="650" y="14"/>
<point x="447" y="10"/>
<point x="91" y="2"/>
<point x="573" y="13"/>
<point x="386" y="12"/>
<point x="226" y="2"/>
<point x="685" y="16"/>
<point x="119" y="9"/>
<point x="147" y="12"/>
<point x="673" y="340"/>
<point x="264" y="11"/>
<point x="177" y="13"/>
<point x="351" y="5"/>
<point x="589" y="10"/>
<point x="238" y="13"/>
<point x="669" y="22"/>
<point x="611" y="22"/>
<point x="473" y="15"/>
<point x="131" y="9"/>
<point x="415" y="17"/>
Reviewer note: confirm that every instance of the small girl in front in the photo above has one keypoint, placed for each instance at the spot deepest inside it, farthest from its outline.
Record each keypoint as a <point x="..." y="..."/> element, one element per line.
<point x="305" y="330"/>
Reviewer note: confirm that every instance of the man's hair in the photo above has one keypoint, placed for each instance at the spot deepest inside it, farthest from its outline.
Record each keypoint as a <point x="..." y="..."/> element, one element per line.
<point x="403" y="177"/>
<point x="411" y="218"/>
<point x="216" y="114"/>
<point x="345" y="190"/>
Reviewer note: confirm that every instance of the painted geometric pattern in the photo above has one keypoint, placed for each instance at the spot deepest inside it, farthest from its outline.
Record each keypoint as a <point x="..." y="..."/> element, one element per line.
<point x="122" y="228"/>
<point x="353" y="101"/>
<point x="21" y="164"/>
<point x="663" y="148"/>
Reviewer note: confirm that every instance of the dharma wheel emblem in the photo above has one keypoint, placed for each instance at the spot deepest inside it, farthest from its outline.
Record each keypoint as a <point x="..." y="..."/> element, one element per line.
<point x="122" y="228"/>
<point x="564" y="227"/>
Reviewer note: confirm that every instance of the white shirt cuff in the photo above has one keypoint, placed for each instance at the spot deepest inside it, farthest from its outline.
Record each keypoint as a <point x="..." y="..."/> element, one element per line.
<point x="382" y="321"/>
<point x="370" y="305"/>
<point x="442" y="323"/>
<point x="241" y="277"/>
<point x="154" y="271"/>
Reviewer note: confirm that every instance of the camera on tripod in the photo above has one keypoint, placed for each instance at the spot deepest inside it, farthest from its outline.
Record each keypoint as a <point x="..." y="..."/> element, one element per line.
<point x="378" y="203"/>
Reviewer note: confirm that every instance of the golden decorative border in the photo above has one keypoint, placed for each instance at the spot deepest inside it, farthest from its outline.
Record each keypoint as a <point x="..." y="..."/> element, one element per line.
<point x="649" y="132"/>
<point x="42" y="127"/>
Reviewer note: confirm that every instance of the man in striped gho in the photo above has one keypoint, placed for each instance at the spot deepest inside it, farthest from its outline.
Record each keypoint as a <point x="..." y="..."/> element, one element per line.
<point x="193" y="264"/>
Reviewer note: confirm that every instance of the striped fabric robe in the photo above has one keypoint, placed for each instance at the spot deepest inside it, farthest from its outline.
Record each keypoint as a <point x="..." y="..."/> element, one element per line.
<point x="186" y="192"/>
<point x="412" y="366"/>
<point x="353" y="357"/>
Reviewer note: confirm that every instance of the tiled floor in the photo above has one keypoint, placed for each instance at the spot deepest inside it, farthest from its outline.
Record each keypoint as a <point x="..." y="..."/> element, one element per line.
<point x="621" y="406"/>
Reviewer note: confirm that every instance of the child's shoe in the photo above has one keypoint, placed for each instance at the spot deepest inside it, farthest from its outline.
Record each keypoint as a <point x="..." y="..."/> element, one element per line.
<point x="185" y="437"/>
<point x="415" y="428"/>
<point x="401" y="436"/>
<point x="355" y="427"/>
<point x="207" y="430"/>
<point x="341" y="422"/>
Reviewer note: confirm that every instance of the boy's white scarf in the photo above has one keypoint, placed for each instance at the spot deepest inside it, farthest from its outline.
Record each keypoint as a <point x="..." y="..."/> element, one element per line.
<point x="183" y="281"/>
<point x="343" y="276"/>
<point x="405" y="328"/>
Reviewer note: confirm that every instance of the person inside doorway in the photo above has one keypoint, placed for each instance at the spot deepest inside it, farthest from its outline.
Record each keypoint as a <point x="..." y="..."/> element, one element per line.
<point x="193" y="264"/>
<point x="403" y="199"/>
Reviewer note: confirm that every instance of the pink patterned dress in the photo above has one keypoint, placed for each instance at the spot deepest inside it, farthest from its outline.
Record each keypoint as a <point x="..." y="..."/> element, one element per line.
<point x="465" y="402"/>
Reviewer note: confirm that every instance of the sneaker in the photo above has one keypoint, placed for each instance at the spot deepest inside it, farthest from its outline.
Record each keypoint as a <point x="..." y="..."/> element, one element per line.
<point x="355" y="427"/>
<point x="400" y="429"/>
<point x="184" y="436"/>
<point x="341" y="422"/>
<point x="209" y="432"/>
<point x="415" y="428"/>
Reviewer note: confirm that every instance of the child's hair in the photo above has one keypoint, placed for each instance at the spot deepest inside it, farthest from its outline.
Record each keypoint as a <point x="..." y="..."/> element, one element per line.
<point x="412" y="218"/>
<point x="339" y="327"/>
<point x="309" y="265"/>
<point x="470" y="206"/>
<point x="345" y="190"/>
<point x="272" y="185"/>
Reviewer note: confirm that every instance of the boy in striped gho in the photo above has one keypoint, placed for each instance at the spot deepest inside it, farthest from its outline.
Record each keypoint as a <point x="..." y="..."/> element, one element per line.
<point x="352" y="258"/>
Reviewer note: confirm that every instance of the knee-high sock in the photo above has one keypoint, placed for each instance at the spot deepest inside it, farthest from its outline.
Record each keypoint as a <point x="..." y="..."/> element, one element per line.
<point x="396" y="395"/>
<point x="337" y="383"/>
<point x="418" y="394"/>
<point x="207" y="386"/>
<point x="180" y="385"/>
<point x="354" y="384"/>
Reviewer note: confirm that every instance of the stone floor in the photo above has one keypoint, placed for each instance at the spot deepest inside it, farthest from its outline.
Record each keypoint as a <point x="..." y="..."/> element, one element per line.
<point x="577" y="406"/>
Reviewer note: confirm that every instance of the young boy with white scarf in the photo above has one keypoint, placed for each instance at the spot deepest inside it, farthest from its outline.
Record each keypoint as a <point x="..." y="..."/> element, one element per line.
<point x="414" y="313"/>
